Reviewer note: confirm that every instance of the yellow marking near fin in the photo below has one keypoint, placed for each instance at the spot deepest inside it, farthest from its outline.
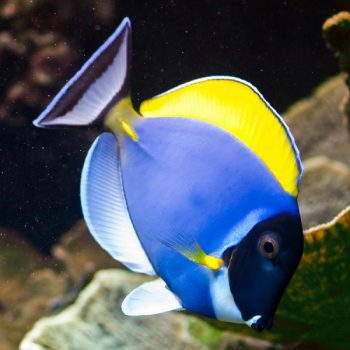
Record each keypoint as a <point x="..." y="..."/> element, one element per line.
<point x="187" y="246"/>
<point x="129" y="130"/>
<point x="200" y="257"/>
<point x="120" y="118"/>
<point x="238" y="108"/>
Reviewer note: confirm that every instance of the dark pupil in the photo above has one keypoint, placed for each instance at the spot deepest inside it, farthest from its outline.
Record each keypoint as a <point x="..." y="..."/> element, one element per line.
<point x="268" y="247"/>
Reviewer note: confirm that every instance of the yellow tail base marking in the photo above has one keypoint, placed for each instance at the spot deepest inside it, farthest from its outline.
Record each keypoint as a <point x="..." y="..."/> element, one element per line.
<point x="120" y="118"/>
<point x="129" y="130"/>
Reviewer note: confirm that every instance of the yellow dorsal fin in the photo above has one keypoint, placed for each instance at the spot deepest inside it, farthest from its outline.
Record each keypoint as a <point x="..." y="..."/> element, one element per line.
<point x="237" y="107"/>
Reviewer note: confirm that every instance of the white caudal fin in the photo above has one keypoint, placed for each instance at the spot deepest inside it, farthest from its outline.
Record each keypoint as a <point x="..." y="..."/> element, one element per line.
<point x="96" y="87"/>
<point x="149" y="299"/>
<point x="104" y="206"/>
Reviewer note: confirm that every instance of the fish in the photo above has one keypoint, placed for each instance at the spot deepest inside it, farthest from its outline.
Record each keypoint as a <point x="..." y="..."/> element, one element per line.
<point x="197" y="187"/>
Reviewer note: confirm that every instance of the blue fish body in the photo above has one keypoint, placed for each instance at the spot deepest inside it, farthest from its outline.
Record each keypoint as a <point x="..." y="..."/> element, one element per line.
<point x="173" y="189"/>
<point x="199" y="187"/>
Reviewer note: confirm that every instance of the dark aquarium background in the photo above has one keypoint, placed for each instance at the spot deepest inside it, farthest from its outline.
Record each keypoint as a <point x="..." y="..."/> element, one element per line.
<point x="46" y="253"/>
<point x="276" y="45"/>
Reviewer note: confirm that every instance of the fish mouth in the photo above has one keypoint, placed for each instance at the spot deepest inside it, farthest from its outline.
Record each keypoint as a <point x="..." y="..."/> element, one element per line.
<point x="259" y="323"/>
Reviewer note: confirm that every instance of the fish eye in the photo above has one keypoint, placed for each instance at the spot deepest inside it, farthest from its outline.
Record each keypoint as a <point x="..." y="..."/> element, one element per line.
<point x="268" y="245"/>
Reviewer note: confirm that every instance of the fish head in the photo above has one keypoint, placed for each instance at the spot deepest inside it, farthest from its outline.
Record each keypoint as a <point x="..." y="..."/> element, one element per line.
<point x="261" y="266"/>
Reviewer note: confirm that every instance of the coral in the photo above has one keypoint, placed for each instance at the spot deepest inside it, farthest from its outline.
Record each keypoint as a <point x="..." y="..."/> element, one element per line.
<point x="336" y="31"/>
<point x="315" y="305"/>
<point x="27" y="286"/>
<point x="97" y="315"/>
<point x="316" y="124"/>
<point x="316" y="205"/>
<point x="33" y="285"/>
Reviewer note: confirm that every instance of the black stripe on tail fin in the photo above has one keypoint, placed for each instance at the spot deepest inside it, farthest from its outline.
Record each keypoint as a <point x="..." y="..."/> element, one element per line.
<point x="98" y="86"/>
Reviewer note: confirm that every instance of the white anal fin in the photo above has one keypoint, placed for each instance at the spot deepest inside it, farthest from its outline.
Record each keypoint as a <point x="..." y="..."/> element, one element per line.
<point x="96" y="87"/>
<point x="104" y="206"/>
<point x="149" y="299"/>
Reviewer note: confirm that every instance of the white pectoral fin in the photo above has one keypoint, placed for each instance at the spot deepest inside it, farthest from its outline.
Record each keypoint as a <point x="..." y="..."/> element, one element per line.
<point x="149" y="299"/>
<point x="104" y="206"/>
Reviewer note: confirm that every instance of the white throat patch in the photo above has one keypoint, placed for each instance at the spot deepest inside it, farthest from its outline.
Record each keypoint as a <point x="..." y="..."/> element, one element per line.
<point x="224" y="305"/>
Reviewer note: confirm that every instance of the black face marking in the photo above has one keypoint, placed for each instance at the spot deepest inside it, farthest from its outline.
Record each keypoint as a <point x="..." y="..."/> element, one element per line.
<point x="261" y="266"/>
